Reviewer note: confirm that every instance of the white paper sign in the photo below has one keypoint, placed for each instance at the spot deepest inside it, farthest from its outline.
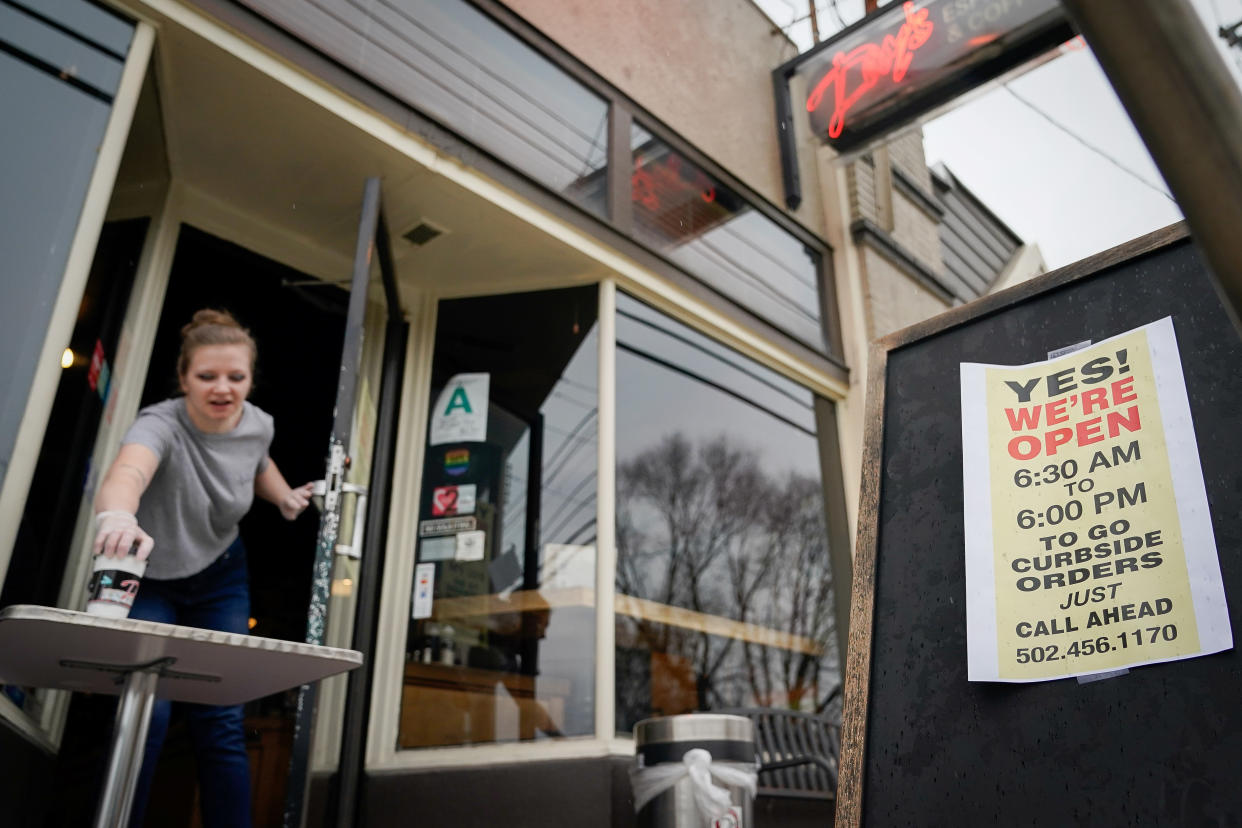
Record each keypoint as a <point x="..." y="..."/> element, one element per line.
<point x="443" y="548"/>
<point x="424" y="586"/>
<point x="460" y="413"/>
<point x="470" y="545"/>
<point x="1089" y="544"/>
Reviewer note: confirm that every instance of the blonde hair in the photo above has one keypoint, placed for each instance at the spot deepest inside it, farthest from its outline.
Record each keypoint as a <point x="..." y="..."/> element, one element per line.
<point x="212" y="327"/>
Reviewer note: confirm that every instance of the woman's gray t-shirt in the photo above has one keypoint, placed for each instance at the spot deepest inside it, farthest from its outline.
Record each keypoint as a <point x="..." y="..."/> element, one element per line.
<point x="203" y="486"/>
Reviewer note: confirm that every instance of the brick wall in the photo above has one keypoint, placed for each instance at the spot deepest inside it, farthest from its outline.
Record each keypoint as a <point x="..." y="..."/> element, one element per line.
<point x="917" y="231"/>
<point x="906" y="153"/>
<point x="892" y="298"/>
<point x="860" y="178"/>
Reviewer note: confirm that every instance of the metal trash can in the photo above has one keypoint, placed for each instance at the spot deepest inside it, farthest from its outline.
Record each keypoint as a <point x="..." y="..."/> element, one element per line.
<point x="694" y="771"/>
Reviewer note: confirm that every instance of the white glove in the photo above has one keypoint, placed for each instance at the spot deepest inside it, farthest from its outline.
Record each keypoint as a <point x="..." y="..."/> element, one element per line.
<point x="116" y="531"/>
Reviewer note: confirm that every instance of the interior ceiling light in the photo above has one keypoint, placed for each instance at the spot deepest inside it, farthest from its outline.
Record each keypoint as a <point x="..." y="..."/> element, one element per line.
<point x="422" y="233"/>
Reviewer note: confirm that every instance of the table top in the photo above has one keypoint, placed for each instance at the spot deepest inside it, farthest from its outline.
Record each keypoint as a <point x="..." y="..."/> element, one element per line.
<point x="35" y="643"/>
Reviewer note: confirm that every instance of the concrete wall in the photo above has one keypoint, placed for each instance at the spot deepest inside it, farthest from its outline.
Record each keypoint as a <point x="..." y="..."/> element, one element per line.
<point x="875" y="295"/>
<point x="702" y="66"/>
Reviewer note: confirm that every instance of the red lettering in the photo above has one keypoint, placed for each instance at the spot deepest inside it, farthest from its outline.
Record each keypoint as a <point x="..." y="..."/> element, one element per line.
<point x="1093" y="399"/>
<point x="1057" y="437"/>
<point x="891" y="57"/>
<point x="1024" y="447"/>
<point x="1029" y="446"/>
<point x="1130" y="421"/>
<point x="1056" y="411"/>
<point x="1023" y="418"/>
<point x="1123" y="391"/>
<point x="1089" y="431"/>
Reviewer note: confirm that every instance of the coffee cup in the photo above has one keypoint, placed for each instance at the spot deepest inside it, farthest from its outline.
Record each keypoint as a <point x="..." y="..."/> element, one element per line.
<point x="114" y="585"/>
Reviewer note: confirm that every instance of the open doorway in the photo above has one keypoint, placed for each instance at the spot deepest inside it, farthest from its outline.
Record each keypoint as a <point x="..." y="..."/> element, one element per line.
<point x="298" y="325"/>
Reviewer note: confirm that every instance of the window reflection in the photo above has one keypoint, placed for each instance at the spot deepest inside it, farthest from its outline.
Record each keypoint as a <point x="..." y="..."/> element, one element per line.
<point x="53" y="121"/>
<point x="502" y="646"/>
<point x="458" y="65"/>
<point x="723" y="581"/>
<point x="715" y="234"/>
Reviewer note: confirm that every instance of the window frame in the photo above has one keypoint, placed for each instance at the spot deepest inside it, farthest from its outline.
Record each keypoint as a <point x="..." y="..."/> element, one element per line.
<point x="623" y="110"/>
<point x="382" y="753"/>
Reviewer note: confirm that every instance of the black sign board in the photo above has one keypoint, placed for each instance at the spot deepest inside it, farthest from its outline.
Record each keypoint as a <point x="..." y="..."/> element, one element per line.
<point x="922" y="745"/>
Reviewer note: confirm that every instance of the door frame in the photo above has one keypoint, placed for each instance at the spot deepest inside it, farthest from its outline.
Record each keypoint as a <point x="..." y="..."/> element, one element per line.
<point x="373" y="244"/>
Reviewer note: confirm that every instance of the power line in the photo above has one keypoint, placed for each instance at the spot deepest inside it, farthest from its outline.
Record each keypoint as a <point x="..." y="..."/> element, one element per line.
<point x="832" y="5"/>
<point x="1089" y="146"/>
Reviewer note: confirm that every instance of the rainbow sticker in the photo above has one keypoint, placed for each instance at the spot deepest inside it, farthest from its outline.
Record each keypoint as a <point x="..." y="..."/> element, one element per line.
<point x="457" y="461"/>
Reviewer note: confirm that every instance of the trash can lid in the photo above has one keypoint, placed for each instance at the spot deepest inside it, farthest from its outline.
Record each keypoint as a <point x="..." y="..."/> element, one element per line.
<point x="667" y="738"/>
<point x="695" y="727"/>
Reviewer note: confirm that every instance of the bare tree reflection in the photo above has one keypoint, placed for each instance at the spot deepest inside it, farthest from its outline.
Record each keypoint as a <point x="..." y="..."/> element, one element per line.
<point x="705" y="529"/>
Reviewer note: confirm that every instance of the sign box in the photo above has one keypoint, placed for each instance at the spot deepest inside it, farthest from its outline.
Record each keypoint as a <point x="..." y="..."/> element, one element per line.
<point x="909" y="58"/>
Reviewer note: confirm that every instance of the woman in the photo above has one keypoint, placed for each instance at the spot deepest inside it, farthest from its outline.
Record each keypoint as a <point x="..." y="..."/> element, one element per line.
<point x="187" y="471"/>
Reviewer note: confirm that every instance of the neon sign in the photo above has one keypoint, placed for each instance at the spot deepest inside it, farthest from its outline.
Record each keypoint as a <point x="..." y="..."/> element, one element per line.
<point x="909" y="58"/>
<point x="891" y="56"/>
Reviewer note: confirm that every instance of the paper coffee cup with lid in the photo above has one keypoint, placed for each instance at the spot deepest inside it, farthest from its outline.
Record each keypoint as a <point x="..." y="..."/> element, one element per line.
<point x="114" y="584"/>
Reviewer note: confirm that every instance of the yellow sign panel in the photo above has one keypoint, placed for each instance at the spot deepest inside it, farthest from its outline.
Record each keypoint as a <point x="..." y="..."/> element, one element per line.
<point x="1089" y="545"/>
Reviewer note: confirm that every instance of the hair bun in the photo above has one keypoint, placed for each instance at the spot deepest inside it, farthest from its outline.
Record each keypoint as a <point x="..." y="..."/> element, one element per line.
<point x="210" y="316"/>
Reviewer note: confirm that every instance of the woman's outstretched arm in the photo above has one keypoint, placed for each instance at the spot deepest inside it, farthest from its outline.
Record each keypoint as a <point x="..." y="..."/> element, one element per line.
<point x="116" y="502"/>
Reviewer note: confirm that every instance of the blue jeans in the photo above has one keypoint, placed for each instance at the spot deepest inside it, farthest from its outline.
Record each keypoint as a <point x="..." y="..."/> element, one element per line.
<point x="218" y="598"/>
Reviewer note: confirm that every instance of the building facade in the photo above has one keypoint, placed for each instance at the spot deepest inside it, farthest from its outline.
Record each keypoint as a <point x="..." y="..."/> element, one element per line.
<point x="650" y="510"/>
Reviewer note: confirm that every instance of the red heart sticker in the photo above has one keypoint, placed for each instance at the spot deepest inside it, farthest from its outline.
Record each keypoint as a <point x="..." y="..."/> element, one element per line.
<point x="444" y="501"/>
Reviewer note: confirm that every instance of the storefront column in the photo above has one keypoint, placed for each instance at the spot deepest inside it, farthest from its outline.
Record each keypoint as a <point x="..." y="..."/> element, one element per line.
<point x="606" y="520"/>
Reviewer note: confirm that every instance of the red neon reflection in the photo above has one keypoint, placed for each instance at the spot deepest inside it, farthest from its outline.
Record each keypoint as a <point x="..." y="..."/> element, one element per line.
<point x="893" y="55"/>
<point x="655" y="181"/>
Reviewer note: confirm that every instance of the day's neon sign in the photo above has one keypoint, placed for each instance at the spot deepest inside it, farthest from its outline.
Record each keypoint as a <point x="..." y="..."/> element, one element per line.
<point x="891" y="57"/>
<point x="911" y="57"/>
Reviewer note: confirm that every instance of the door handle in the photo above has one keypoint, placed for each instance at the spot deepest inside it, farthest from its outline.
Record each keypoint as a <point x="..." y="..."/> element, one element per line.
<point x="354" y="548"/>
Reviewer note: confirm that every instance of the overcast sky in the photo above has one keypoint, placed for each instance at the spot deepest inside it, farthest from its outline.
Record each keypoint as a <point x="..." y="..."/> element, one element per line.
<point x="1046" y="153"/>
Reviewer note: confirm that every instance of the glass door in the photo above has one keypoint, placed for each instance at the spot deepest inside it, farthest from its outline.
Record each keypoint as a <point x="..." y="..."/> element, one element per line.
<point x="340" y="581"/>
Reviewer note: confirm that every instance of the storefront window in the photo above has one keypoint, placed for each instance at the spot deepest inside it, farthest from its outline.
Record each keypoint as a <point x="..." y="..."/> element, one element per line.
<point x="60" y="65"/>
<point x="455" y="63"/>
<point x="724" y="590"/>
<point x="716" y="235"/>
<point x="501" y="642"/>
